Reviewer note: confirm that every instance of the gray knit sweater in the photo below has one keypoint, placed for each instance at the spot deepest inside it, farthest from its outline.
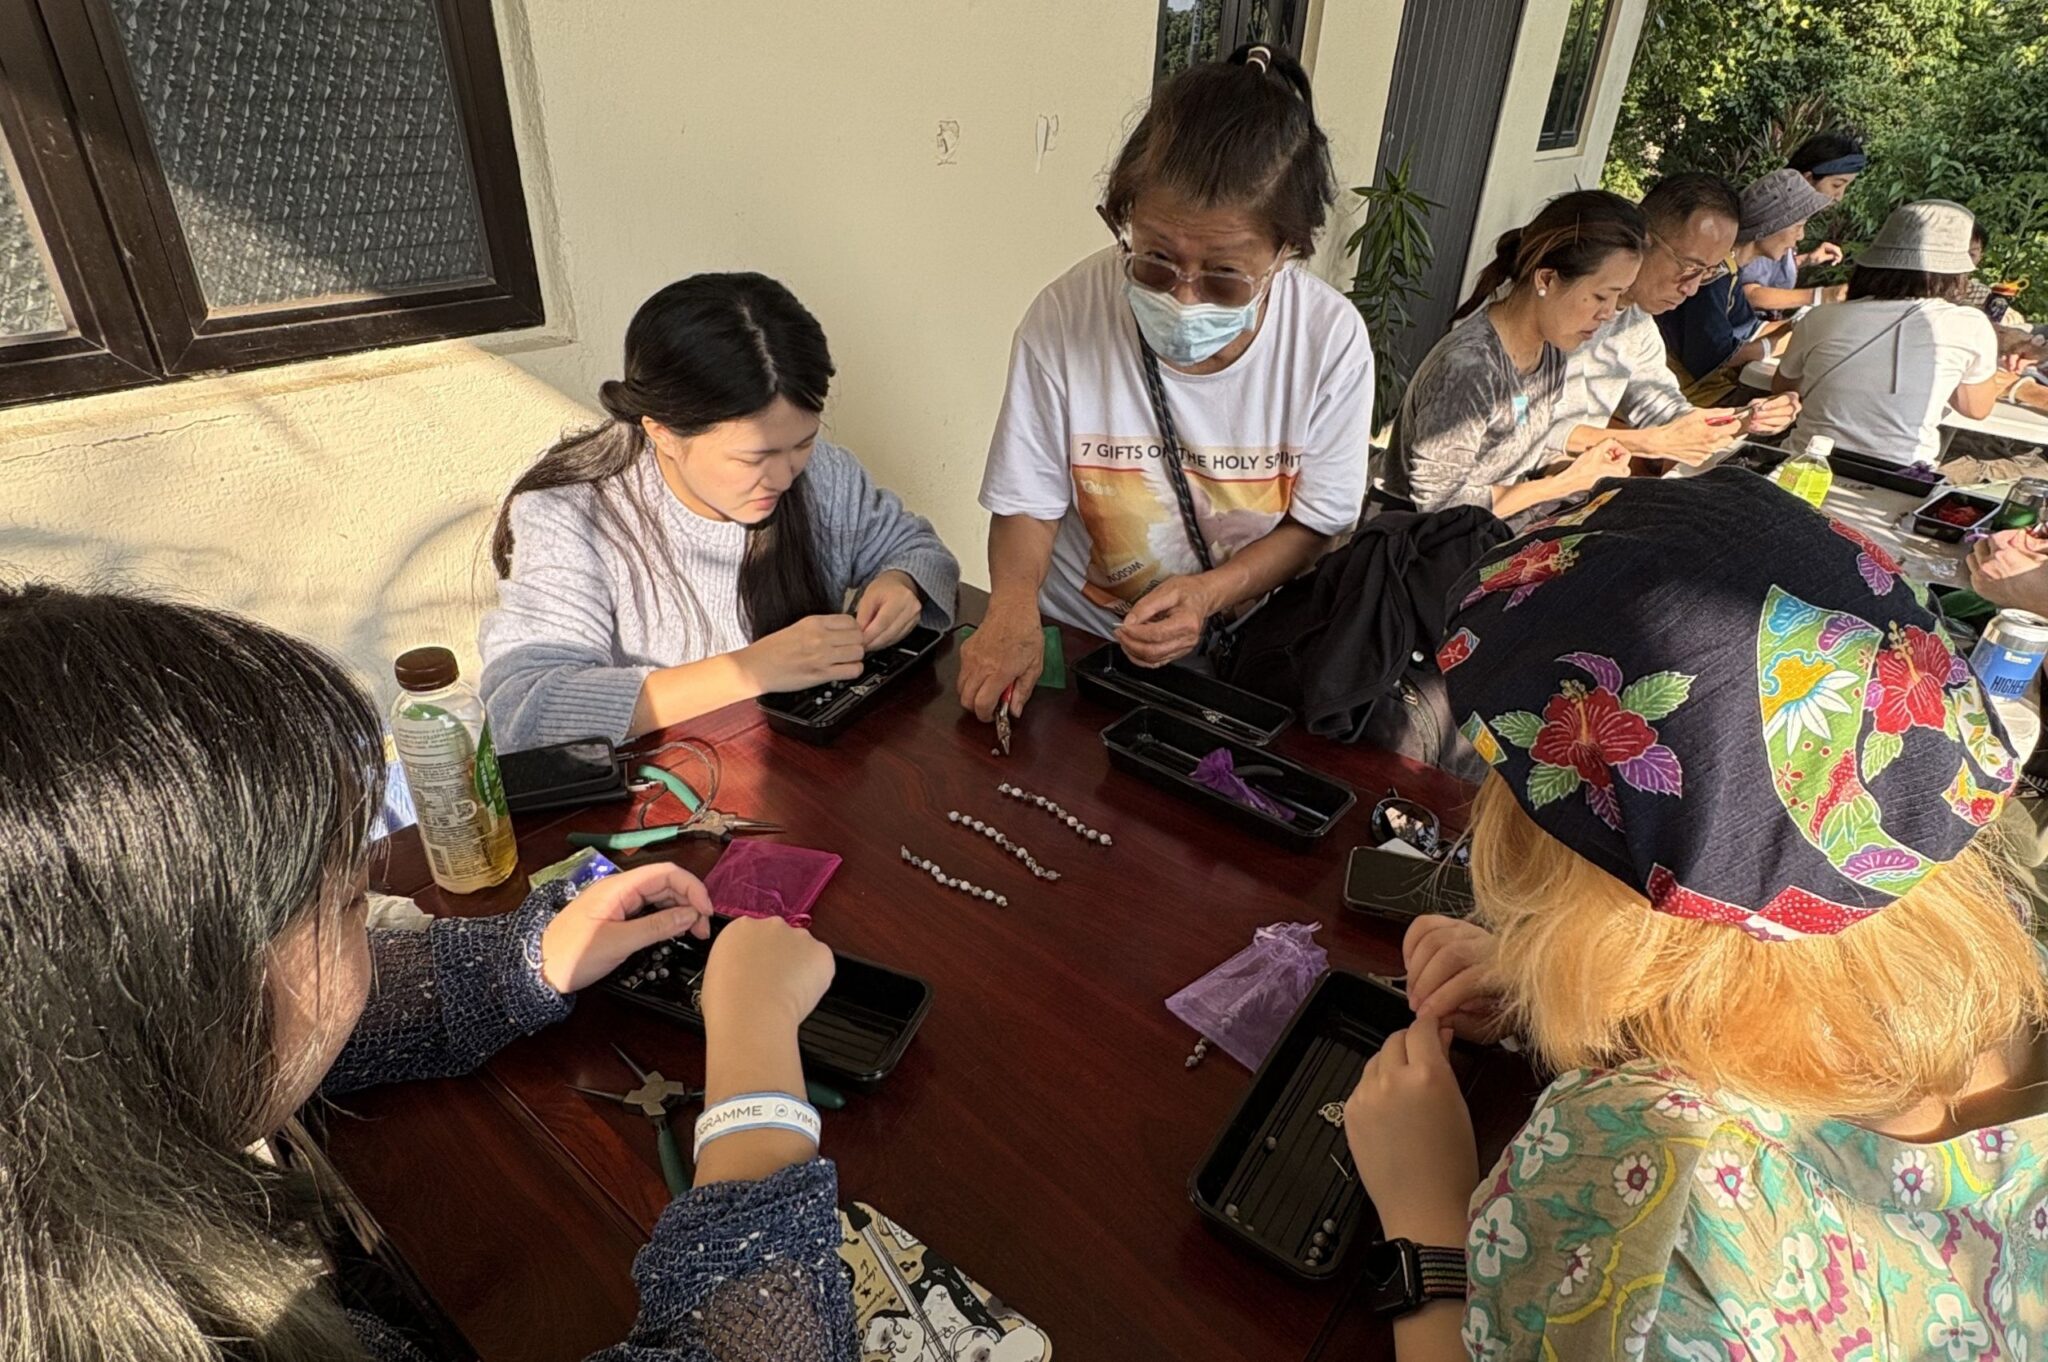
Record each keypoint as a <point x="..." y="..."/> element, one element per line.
<point x="577" y="628"/>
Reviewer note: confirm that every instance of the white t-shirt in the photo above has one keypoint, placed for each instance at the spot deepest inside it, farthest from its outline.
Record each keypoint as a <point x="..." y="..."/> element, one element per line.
<point x="1281" y="433"/>
<point x="1876" y="375"/>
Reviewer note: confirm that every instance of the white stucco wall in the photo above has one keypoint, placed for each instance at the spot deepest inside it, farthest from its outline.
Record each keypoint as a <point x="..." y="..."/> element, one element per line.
<point x="1520" y="179"/>
<point x="348" y="500"/>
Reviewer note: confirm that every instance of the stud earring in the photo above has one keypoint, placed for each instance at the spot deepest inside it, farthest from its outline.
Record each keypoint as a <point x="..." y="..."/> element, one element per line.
<point x="1542" y="293"/>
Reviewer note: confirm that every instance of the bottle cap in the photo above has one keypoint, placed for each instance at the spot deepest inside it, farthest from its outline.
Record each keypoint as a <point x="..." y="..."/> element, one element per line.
<point x="1820" y="446"/>
<point x="425" y="668"/>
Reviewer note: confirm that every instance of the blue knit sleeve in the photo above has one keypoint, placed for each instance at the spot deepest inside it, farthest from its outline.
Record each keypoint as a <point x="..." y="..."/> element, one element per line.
<point x="444" y="1000"/>
<point x="745" y="1272"/>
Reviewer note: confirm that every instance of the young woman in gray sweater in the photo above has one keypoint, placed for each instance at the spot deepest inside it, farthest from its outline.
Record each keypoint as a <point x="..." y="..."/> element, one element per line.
<point x="702" y="545"/>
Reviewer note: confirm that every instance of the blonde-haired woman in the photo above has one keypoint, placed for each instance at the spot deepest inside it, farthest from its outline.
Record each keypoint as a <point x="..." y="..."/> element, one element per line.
<point x="1739" y="886"/>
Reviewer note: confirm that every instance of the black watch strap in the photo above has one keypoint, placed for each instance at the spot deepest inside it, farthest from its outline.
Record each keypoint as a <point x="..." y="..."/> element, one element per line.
<point x="1402" y="1276"/>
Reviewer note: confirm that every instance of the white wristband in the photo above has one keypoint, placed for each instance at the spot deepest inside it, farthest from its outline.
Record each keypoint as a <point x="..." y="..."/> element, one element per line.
<point x="756" y="1111"/>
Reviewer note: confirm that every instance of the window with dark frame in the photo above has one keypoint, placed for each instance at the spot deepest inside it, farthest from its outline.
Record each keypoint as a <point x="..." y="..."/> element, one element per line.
<point x="1192" y="31"/>
<point x="191" y="186"/>
<point x="1578" y="63"/>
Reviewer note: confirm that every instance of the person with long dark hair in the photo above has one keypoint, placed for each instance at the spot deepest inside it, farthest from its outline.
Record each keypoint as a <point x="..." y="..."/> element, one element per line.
<point x="1876" y="373"/>
<point x="699" y="547"/>
<point x="1196" y="324"/>
<point x="1477" y="420"/>
<point x="186" y="799"/>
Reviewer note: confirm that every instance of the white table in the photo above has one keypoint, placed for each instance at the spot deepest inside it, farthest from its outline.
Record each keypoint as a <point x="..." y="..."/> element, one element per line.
<point x="2007" y="421"/>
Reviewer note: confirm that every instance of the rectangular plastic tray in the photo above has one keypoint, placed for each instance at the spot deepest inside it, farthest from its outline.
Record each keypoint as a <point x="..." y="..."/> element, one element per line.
<point x="1908" y="478"/>
<point x="1279" y="1174"/>
<point x="822" y="713"/>
<point x="1164" y="748"/>
<point x="1925" y="522"/>
<point x="1110" y="678"/>
<point x="856" y="1036"/>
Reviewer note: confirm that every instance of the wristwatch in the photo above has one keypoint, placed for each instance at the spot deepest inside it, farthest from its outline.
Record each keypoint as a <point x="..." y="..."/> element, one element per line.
<point x="1402" y="1276"/>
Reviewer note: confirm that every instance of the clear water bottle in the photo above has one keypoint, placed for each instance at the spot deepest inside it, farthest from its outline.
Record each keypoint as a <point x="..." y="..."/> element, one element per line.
<point x="444" y="743"/>
<point x="1807" y="474"/>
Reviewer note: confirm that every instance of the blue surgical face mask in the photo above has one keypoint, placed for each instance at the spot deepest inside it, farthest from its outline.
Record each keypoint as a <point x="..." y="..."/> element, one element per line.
<point x="1187" y="333"/>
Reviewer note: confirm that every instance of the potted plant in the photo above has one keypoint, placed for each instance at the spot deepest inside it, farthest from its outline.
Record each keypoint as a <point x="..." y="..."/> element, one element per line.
<point x="1394" y="253"/>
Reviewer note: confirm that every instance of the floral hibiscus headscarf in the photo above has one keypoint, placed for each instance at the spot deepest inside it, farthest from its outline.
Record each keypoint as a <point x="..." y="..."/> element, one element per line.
<point x="1727" y="699"/>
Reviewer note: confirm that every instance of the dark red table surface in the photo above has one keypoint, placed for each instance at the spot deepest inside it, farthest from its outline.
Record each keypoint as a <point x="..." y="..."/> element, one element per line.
<point x="1041" y="1128"/>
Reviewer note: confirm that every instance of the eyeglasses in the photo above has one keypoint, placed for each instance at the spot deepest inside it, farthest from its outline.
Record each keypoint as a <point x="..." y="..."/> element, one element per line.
<point x="1225" y="288"/>
<point x="1691" y="271"/>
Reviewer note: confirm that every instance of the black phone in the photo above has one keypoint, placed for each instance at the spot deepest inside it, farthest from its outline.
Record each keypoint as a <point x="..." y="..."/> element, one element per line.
<point x="565" y="775"/>
<point x="1391" y="885"/>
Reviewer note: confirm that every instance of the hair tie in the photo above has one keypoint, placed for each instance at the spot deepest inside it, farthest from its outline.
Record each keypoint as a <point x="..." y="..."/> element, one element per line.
<point x="1260" y="56"/>
<point x="612" y="396"/>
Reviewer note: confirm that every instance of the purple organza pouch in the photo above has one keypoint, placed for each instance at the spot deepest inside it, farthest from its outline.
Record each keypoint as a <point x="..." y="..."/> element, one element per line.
<point x="1245" y="1003"/>
<point x="769" y="879"/>
<point x="1218" y="771"/>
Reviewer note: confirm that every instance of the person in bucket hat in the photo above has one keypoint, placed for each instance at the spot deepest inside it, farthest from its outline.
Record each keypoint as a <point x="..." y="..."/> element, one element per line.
<point x="1774" y="214"/>
<point x="1737" y="881"/>
<point x="1877" y="373"/>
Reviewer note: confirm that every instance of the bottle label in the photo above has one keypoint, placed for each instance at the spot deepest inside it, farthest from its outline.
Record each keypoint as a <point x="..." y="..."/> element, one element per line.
<point x="458" y="796"/>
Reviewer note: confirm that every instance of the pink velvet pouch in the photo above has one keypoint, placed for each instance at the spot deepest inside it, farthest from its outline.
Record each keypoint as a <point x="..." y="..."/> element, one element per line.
<point x="769" y="879"/>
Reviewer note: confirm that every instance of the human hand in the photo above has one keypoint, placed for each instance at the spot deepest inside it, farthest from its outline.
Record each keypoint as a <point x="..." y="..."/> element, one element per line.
<point x="1006" y="653"/>
<point x="1411" y="1138"/>
<point x="763" y="972"/>
<point x="814" y="650"/>
<point x="1166" y="623"/>
<point x="1827" y="253"/>
<point x="2010" y="568"/>
<point x="1607" y="459"/>
<point x="616" y="916"/>
<point x="1769" y="415"/>
<point x="1449" y="963"/>
<point x="1835" y="293"/>
<point x="1696" y="436"/>
<point x="888" y="609"/>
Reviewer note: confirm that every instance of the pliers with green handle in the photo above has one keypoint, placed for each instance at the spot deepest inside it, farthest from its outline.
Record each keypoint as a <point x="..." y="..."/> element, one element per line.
<point x="702" y="822"/>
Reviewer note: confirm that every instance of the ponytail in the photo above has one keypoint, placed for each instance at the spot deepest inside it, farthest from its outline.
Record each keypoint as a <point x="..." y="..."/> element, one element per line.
<point x="1239" y="133"/>
<point x="1498" y="271"/>
<point x="1573" y="235"/>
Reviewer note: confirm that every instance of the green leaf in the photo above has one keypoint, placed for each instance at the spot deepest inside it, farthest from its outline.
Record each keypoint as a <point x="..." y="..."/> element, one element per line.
<point x="1656" y="695"/>
<point x="1519" y="727"/>
<point x="1879" y="751"/>
<point x="1548" y="784"/>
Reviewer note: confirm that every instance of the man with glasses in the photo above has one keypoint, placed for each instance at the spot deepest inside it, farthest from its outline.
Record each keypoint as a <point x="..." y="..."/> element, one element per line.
<point x="1622" y="373"/>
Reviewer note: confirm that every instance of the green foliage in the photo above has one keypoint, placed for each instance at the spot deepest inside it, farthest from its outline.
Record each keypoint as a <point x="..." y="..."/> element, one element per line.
<point x="1190" y="37"/>
<point x="1394" y="252"/>
<point x="1951" y="97"/>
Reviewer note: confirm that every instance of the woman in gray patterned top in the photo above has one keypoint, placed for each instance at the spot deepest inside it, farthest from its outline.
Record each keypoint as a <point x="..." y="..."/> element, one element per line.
<point x="185" y="799"/>
<point x="699" y="548"/>
<point x="1475" y="422"/>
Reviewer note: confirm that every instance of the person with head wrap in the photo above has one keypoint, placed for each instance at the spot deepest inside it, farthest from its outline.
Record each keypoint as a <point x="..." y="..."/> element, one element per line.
<point x="1738" y="883"/>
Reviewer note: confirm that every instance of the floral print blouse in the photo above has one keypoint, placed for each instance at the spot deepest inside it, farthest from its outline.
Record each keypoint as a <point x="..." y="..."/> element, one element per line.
<point x="1637" y="1218"/>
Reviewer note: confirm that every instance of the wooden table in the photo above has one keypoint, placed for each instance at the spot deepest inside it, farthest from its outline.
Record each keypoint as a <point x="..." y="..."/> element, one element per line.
<point x="1041" y="1128"/>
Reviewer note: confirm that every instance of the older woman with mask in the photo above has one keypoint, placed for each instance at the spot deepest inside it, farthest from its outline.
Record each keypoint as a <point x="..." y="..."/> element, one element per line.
<point x="1187" y="416"/>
